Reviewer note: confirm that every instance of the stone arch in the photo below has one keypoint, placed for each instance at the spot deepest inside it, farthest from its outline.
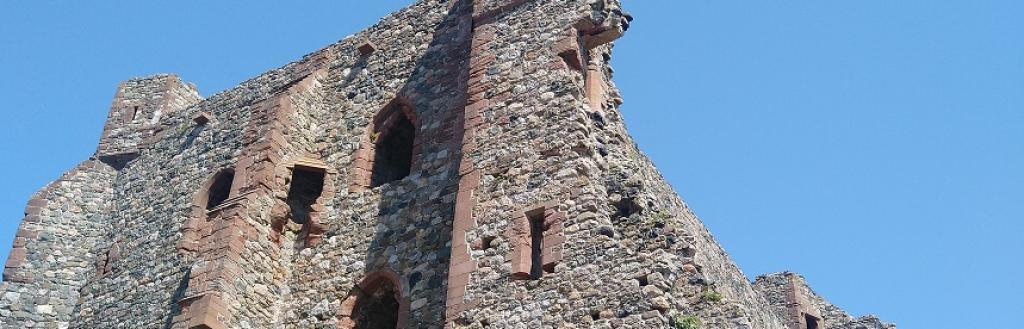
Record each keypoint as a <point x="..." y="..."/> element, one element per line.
<point x="392" y="148"/>
<point x="378" y="302"/>
<point x="218" y="189"/>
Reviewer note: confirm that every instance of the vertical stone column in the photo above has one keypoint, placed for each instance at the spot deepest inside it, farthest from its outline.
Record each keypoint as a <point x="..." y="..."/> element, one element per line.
<point x="798" y="305"/>
<point x="461" y="264"/>
<point x="135" y="114"/>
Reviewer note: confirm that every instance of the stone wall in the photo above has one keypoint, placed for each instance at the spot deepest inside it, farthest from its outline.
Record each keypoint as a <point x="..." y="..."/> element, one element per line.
<point x="790" y="297"/>
<point x="633" y="255"/>
<point x="318" y="110"/>
<point x="526" y="203"/>
<point x="54" y="251"/>
<point x="138" y="106"/>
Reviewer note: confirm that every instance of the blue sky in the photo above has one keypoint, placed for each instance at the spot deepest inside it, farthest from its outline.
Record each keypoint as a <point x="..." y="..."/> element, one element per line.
<point x="875" y="146"/>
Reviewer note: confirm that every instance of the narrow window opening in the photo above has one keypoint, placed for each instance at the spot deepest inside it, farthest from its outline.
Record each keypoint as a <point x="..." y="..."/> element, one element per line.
<point x="220" y="190"/>
<point x="488" y="242"/>
<point x="812" y="322"/>
<point x="306" y="187"/>
<point x="135" y="113"/>
<point x="414" y="279"/>
<point x="536" y="244"/>
<point x="643" y="280"/>
<point x="377" y="309"/>
<point x="572" y="59"/>
<point x="113" y="255"/>
<point x="625" y="208"/>
<point x="393" y="158"/>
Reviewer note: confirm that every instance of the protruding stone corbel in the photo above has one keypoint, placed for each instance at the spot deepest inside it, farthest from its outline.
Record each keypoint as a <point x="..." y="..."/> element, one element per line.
<point x="367" y="48"/>
<point x="606" y="24"/>
<point x="202" y="118"/>
<point x="568" y="48"/>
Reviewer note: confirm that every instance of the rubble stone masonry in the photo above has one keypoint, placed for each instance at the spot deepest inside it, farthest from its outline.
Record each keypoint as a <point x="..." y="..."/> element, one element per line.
<point x="460" y="164"/>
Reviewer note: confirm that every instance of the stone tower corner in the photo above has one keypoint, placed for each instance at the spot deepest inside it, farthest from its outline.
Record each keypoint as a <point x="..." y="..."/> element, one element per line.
<point x="138" y="107"/>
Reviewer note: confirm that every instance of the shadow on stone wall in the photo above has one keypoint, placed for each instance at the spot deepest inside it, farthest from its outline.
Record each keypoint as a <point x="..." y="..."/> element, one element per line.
<point x="415" y="215"/>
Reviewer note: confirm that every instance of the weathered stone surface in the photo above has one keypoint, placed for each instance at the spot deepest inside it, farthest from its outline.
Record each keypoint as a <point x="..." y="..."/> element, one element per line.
<point x="525" y="203"/>
<point x="790" y="296"/>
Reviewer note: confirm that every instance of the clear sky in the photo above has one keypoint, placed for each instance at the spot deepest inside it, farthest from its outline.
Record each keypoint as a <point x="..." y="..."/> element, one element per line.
<point x="875" y="146"/>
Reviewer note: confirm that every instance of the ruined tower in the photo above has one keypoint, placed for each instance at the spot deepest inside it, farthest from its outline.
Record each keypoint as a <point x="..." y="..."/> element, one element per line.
<point x="460" y="164"/>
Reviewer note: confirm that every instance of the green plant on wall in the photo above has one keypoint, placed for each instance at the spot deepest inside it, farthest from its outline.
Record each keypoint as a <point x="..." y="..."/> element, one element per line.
<point x="712" y="296"/>
<point x="661" y="217"/>
<point x="685" y="322"/>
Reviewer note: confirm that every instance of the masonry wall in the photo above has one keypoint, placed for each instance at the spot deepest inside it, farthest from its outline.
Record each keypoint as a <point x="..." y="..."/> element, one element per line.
<point x="789" y="295"/>
<point x="318" y="110"/>
<point x="403" y="227"/>
<point x="633" y="255"/>
<point x="517" y="128"/>
<point x="137" y="109"/>
<point x="54" y="252"/>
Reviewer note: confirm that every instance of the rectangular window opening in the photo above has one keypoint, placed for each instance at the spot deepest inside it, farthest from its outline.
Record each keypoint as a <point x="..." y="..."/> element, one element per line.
<point x="220" y="190"/>
<point x="536" y="244"/>
<point x="394" y="152"/>
<point x="306" y="187"/>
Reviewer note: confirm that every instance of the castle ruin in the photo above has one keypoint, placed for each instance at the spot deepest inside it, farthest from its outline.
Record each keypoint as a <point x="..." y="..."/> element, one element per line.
<point x="460" y="164"/>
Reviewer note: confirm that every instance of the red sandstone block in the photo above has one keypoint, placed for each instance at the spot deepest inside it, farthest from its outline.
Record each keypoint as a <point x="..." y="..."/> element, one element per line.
<point x="521" y="262"/>
<point x="16" y="257"/>
<point x="27" y="234"/>
<point x="482" y="62"/>
<point x="202" y="118"/>
<point x="37" y="202"/>
<point x="464" y="212"/>
<point x="456" y="294"/>
<point x="366" y="48"/>
<point x="468" y="183"/>
<point x="459" y="280"/>
<point x="553" y="241"/>
<point x="554" y="252"/>
<point x="501" y="97"/>
<point x="463" y="268"/>
<point x="460" y="256"/>
<point x="478" y="89"/>
<point x="568" y="43"/>
<point x="484" y="34"/>
<point x="32" y="219"/>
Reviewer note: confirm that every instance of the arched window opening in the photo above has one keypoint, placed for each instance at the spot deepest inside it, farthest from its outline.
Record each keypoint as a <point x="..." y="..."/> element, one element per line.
<point x="395" y="139"/>
<point x="812" y="322"/>
<point x="377" y="308"/>
<point x="220" y="190"/>
<point x="306" y="187"/>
